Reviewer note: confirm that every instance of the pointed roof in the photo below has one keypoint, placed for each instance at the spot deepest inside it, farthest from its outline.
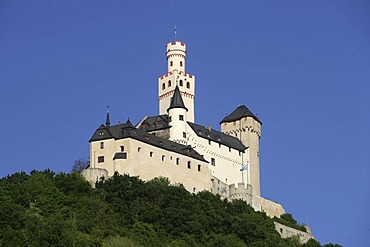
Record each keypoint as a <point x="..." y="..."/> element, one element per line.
<point x="239" y="113"/>
<point x="176" y="101"/>
<point x="107" y="119"/>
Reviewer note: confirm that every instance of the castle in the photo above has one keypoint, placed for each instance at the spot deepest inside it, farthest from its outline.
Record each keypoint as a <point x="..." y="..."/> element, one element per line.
<point x="172" y="145"/>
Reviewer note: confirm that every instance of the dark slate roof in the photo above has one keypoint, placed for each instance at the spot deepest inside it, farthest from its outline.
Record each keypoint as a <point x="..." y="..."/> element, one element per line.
<point x="217" y="136"/>
<point x="154" y="123"/>
<point x="239" y="113"/>
<point x="118" y="156"/>
<point x="176" y="101"/>
<point x="122" y="131"/>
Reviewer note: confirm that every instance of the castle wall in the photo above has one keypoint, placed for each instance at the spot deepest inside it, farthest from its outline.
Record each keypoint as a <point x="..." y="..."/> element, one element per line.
<point x="148" y="162"/>
<point x="271" y="208"/>
<point x="94" y="174"/>
<point x="286" y="232"/>
<point x="227" y="161"/>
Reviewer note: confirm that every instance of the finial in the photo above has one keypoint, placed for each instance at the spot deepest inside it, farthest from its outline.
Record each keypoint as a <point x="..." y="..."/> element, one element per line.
<point x="175" y="33"/>
<point x="107" y="120"/>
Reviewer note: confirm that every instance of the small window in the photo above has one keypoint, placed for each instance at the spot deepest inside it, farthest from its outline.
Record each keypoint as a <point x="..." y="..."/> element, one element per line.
<point x="177" y="161"/>
<point x="229" y="149"/>
<point x="209" y="142"/>
<point x="122" y="148"/>
<point x="171" y="63"/>
<point x="213" y="162"/>
<point x="102" y="145"/>
<point x="101" y="133"/>
<point x="181" y="84"/>
<point x="219" y="145"/>
<point x="151" y="154"/>
<point x="189" y="165"/>
<point x="169" y="118"/>
<point x="163" y="157"/>
<point x="169" y="83"/>
<point x="139" y="149"/>
<point x="188" y="85"/>
<point x="163" y="86"/>
<point x="184" y="134"/>
<point x="199" y="168"/>
<point x="181" y="63"/>
<point x="181" y="117"/>
<point x="100" y="159"/>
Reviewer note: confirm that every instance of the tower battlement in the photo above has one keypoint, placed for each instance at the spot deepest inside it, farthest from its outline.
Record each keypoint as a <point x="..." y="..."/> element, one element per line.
<point x="242" y="192"/>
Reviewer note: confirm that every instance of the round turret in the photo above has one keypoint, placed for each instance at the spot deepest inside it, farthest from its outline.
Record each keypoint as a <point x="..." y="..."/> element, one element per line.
<point x="176" y="55"/>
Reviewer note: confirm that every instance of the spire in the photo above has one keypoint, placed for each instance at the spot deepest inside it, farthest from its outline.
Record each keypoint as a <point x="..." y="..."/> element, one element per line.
<point x="176" y="101"/>
<point x="107" y="120"/>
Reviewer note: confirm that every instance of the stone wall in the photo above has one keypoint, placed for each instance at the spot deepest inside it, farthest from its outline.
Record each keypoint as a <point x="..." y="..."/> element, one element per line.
<point x="286" y="232"/>
<point x="94" y="174"/>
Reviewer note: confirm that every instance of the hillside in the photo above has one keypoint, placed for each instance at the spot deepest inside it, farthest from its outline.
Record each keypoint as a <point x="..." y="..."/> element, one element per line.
<point x="48" y="209"/>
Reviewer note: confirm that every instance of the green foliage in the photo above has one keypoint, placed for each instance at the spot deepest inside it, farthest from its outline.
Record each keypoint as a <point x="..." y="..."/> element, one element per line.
<point x="48" y="209"/>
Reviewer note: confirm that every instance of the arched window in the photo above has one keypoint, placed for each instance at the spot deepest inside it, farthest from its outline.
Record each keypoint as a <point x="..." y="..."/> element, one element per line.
<point x="171" y="63"/>
<point x="177" y="161"/>
<point x="181" y="84"/>
<point x="163" y="157"/>
<point x="151" y="154"/>
<point x="163" y="86"/>
<point x="139" y="149"/>
<point x="189" y="165"/>
<point x="169" y="83"/>
<point x="181" y="63"/>
<point x="188" y="85"/>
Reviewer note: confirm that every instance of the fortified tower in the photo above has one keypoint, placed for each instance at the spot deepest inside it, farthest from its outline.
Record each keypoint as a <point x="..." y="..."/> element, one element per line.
<point x="176" y="76"/>
<point x="244" y="125"/>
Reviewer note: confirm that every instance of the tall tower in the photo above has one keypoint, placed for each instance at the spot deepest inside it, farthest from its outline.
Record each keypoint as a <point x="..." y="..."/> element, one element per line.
<point x="176" y="76"/>
<point x="244" y="125"/>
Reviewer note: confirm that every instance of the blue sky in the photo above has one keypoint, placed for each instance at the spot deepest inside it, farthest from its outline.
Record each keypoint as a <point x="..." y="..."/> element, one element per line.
<point x="302" y="66"/>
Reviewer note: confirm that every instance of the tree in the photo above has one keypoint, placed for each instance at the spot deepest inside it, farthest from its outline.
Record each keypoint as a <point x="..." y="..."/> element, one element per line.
<point x="80" y="164"/>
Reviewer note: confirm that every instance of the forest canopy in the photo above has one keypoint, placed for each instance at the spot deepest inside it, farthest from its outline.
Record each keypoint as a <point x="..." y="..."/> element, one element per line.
<point x="48" y="209"/>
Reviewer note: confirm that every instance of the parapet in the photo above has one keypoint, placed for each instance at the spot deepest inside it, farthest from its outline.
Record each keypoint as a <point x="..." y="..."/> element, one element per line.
<point x="176" y="48"/>
<point x="242" y="192"/>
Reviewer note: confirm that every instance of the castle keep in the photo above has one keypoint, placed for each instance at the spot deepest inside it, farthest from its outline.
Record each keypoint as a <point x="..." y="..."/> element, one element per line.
<point x="172" y="145"/>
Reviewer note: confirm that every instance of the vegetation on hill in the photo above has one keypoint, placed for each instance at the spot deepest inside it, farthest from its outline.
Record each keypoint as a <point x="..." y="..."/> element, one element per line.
<point x="48" y="209"/>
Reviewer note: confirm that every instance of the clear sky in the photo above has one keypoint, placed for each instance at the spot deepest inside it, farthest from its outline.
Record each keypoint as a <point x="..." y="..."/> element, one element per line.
<point x="302" y="66"/>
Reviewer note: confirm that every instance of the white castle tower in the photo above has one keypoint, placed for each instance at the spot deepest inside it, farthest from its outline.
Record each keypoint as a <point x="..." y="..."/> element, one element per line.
<point x="176" y="76"/>
<point x="177" y="118"/>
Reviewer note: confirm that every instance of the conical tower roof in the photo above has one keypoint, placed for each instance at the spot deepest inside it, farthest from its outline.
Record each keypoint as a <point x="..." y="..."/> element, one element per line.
<point x="176" y="101"/>
<point x="239" y="113"/>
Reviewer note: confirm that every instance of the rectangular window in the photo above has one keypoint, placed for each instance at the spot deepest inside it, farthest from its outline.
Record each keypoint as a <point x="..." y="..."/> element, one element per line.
<point x="199" y="168"/>
<point x="102" y="145"/>
<point x="213" y="162"/>
<point x="184" y="134"/>
<point x="181" y="117"/>
<point x="100" y="159"/>
<point x="169" y="119"/>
